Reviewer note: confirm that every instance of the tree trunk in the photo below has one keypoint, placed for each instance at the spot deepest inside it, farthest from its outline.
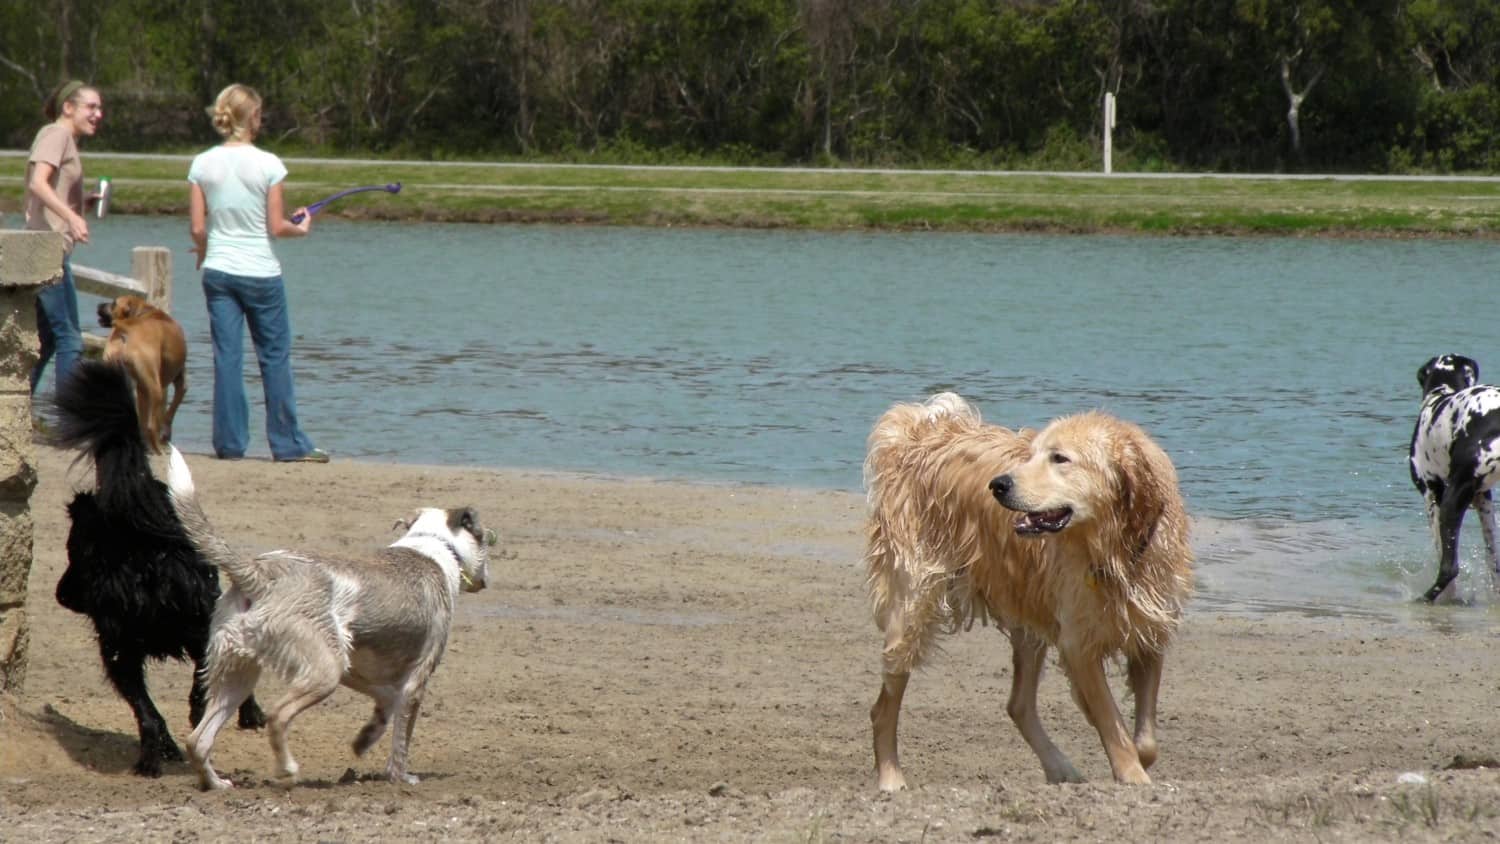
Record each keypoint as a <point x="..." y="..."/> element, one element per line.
<point x="1294" y="100"/>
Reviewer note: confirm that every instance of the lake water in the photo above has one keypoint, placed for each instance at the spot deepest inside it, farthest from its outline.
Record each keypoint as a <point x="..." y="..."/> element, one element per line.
<point x="1280" y="374"/>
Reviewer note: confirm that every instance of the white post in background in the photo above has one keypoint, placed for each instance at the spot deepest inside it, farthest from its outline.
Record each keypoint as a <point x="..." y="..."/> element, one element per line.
<point x="1109" y="129"/>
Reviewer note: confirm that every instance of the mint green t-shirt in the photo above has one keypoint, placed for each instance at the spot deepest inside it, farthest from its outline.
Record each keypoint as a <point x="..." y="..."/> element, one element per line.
<point x="235" y="181"/>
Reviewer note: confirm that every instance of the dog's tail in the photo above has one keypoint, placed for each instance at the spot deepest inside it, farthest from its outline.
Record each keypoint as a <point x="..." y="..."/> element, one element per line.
<point x="241" y="570"/>
<point x="900" y="427"/>
<point x="96" y="414"/>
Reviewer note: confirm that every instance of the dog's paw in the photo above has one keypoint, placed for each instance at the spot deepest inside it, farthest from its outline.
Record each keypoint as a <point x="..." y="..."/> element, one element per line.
<point x="364" y="741"/>
<point x="402" y="777"/>
<point x="168" y="751"/>
<point x="149" y="765"/>
<point x="1063" y="772"/>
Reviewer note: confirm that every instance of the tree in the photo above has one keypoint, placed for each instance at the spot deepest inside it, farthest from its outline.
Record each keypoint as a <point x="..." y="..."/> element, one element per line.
<point x="1304" y="39"/>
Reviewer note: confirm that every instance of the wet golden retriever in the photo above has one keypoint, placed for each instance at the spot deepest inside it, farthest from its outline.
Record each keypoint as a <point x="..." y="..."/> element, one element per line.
<point x="1089" y="554"/>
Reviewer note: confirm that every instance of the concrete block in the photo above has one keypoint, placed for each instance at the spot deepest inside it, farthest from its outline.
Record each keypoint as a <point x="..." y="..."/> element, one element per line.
<point x="19" y="346"/>
<point x="16" y="550"/>
<point x="15" y="641"/>
<point x="30" y="259"/>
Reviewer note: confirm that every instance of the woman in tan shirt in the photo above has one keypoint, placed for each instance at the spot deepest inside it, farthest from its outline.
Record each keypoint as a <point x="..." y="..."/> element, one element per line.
<point x="55" y="201"/>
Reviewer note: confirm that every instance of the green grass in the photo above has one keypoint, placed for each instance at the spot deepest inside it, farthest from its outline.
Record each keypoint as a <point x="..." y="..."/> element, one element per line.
<point x="839" y="199"/>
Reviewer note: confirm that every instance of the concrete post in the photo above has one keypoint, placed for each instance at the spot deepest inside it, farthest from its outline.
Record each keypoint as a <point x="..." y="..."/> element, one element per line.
<point x="28" y="261"/>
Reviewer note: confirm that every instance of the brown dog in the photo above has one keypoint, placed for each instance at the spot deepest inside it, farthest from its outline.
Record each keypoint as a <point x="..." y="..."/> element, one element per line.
<point x="154" y="350"/>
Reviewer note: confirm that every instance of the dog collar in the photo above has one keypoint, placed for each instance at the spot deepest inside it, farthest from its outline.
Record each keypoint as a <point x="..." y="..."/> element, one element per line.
<point x="447" y="543"/>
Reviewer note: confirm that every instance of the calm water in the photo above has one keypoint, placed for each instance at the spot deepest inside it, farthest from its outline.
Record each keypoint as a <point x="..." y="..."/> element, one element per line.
<point x="1279" y="374"/>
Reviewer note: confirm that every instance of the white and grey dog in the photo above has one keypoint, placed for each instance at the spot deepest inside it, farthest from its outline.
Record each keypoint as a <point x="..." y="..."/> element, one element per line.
<point x="378" y="625"/>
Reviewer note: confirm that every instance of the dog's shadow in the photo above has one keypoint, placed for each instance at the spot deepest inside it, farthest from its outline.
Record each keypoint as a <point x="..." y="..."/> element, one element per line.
<point x="258" y="779"/>
<point x="98" y="750"/>
<point x="109" y="752"/>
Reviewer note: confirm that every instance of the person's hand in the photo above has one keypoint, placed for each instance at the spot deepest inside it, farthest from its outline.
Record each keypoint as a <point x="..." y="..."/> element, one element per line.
<point x="198" y="263"/>
<point x="306" y="225"/>
<point x="78" y="227"/>
<point x="91" y="199"/>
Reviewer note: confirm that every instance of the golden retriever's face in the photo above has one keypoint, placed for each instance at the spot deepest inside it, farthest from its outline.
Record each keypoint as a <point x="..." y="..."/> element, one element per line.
<point x="1068" y="479"/>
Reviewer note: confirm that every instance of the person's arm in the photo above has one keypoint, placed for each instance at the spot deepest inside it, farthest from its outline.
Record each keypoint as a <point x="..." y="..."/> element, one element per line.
<point x="41" y="186"/>
<point x="198" y="221"/>
<point x="277" y="224"/>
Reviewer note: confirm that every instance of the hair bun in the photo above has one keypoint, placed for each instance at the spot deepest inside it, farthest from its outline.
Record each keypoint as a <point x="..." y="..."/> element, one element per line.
<point x="223" y="119"/>
<point x="235" y="112"/>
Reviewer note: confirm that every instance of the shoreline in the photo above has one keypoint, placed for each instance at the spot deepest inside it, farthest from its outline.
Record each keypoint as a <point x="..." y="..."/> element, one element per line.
<point x="854" y="199"/>
<point x="1218" y="540"/>
<point x="652" y="662"/>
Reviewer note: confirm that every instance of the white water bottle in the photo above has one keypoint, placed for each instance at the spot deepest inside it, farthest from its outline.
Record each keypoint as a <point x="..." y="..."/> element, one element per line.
<point x="103" y="207"/>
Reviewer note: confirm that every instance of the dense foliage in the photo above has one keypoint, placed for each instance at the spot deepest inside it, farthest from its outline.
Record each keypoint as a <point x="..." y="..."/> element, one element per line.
<point x="1329" y="85"/>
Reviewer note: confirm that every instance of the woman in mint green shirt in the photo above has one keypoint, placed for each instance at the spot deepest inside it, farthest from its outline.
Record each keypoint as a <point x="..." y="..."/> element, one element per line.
<point x="236" y="206"/>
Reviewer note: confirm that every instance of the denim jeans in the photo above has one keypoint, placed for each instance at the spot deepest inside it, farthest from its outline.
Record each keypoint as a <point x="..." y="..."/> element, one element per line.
<point x="232" y="302"/>
<point x="57" y="323"/>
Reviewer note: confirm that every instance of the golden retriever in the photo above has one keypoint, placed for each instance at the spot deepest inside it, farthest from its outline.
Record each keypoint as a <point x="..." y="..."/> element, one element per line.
<point x="1089" y="554"/>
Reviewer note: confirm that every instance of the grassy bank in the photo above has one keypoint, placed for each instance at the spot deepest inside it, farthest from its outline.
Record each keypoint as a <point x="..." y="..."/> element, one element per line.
<point x="837" y="199"/>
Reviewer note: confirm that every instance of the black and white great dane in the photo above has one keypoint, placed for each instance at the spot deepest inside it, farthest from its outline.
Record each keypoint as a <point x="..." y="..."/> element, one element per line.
<point x="1455" y="458"/>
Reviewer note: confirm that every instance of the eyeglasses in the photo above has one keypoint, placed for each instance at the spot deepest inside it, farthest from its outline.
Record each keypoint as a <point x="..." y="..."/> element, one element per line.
<point x="90" y="106"/>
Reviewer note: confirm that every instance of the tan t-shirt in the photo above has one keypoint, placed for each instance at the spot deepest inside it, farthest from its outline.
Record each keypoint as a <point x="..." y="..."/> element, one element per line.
<point x="55" y="145"/>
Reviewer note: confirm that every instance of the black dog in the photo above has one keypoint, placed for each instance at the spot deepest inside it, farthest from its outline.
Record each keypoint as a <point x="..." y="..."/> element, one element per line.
<point x="1455" y="457"/>
<point x="131" y="569"/>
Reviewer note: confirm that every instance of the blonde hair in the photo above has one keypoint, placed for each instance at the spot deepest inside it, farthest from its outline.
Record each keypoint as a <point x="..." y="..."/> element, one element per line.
<point x="235" y="112"/>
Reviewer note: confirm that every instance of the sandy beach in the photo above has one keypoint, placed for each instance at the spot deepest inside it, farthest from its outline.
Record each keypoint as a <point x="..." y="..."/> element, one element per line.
<point x="662" y="661"/>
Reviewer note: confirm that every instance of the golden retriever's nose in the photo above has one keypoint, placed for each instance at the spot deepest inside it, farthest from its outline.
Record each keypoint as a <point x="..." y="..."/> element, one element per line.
<point x="1001" y="485"/>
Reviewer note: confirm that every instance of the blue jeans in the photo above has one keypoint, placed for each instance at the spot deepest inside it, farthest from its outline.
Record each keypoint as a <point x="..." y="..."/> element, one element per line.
<point x="57" y="323"/>
<point x="233" y="301"/>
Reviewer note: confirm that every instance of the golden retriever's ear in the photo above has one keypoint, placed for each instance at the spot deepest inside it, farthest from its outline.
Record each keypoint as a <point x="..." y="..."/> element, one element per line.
<point x="1143" y="493"/>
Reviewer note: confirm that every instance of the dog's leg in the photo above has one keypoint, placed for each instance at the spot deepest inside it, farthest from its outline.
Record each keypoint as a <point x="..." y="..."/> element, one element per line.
<point x="386" y="701"/>
<point x="909" y="624"/>
<point x="251" y="717"/>
<point x="179" y="386"/>
<point x="1091" y="691"/>
<point x="157" y="396"/>
<point x="896" y="662"/>
<point x="406" y="722"/>
<point x="317" y="683"/>
<point x="1145" y="683"/>
<point x="1028" y="655"/>
<point x="1486" y="507"/>
<point x="230" y="687"/>
<point x="127" y="672"/>
<point x="1456" y="502"/>
<point x="198" y="694"/>
<point x="1431" y="500"/>
<point x="883" y="717"/>
<point x="148" y="402"/>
